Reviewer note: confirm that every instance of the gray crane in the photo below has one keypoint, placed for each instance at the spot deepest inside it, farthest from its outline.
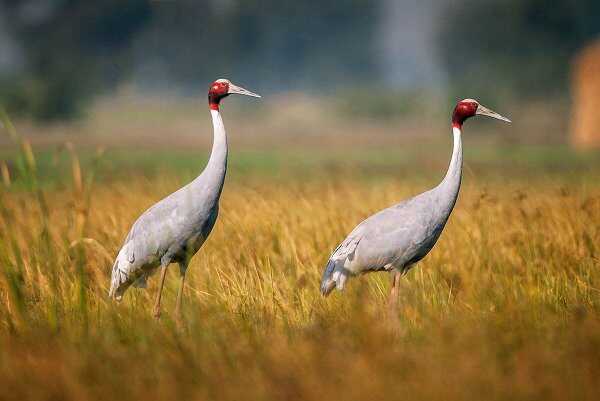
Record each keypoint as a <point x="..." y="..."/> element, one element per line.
<point x="396" y="238"/>
<point x="174" y="229"/>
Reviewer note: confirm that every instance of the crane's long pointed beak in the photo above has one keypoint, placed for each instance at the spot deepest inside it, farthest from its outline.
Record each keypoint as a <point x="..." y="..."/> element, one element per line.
<point x="484" y="111"/>
<point x="241" y="91"/>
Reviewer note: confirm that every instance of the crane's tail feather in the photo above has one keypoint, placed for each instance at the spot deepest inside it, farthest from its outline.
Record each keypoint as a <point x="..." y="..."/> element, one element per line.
<point x="118" y="283"/>
<point x="327" y="284"/>
<point x="333" y="277"/>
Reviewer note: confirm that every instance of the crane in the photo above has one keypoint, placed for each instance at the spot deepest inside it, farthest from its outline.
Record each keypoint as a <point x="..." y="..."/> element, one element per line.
<point x="174" y="229"/>
<point x="396" y="238"/>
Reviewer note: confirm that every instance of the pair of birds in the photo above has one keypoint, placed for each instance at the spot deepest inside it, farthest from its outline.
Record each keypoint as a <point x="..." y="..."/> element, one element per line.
<point x="393" y="240"/>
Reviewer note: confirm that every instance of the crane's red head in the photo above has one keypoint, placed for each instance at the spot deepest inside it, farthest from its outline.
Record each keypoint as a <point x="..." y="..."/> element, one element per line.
<point x="222" y="88"/>
<point x="468" y="108"/>
<point x="464" y="109"/>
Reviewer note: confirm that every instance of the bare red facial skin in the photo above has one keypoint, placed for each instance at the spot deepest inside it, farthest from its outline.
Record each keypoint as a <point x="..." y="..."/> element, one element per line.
<point x="216" y="92"/>
<point x="463" y="110"/>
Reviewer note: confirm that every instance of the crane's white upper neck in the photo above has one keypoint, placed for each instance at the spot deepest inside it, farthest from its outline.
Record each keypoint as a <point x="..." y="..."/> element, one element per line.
<point x="218" y="155"/>
<point x="217" y="120"/>
<point x="453" y="175"/>
<point x="456" y="133"/>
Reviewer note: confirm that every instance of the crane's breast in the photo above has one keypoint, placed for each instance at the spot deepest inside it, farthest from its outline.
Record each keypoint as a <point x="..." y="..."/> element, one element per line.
<point x="193" y="236"/>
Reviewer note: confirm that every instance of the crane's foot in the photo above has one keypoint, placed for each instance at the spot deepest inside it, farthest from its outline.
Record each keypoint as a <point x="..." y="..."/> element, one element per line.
<point x="177" y="313"/>
<point x="179" y="321"/>
<point x="393" y="306"/>
<point x="156" y="313"/>
<point x="392" y="312"/>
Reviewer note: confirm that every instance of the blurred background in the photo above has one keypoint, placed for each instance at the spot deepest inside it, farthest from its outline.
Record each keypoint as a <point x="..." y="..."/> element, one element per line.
<point x="387" y="72"/>
<point x="109" y="101"/>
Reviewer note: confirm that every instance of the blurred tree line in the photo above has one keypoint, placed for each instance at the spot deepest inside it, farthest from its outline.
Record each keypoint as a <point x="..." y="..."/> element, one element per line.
<point x="515" y="48"/>
<point x="271" y="44"/>
<point x="72" y="50"/>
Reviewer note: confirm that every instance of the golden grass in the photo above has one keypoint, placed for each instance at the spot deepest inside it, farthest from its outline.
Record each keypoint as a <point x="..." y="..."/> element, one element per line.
<point x="505" y="307"/>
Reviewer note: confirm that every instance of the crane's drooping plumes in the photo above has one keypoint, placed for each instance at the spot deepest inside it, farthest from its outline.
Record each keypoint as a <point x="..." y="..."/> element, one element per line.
<point x="174" y="229"/>
<point x="396" y="238"/>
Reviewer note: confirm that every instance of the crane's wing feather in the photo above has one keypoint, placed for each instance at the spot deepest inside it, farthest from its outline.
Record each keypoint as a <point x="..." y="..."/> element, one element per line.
<point x="335" y="272"/>
<point x="395" y="237"/>
<point x="160" y="233"/>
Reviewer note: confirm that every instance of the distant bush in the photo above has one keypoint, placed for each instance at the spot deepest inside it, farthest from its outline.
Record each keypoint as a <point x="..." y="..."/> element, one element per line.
<point x="76" y="49"/>
<point x="384" y="104"/>
<point x="71" y="51"/>
<point x="508" y="48"/>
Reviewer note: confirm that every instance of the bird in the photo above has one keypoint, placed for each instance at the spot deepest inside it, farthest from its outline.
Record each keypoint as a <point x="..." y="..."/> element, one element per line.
<point x="396" y="238"/>
<point x="174" y="229"/>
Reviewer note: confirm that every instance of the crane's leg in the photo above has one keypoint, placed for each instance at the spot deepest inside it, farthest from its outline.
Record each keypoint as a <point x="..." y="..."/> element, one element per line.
<point x="182" y="270"/>
<point x="163" y="274"/>
<point x="393" y="301"/>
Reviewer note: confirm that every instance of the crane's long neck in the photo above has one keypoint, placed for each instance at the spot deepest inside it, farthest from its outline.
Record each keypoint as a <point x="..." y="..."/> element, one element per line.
<point x="450" y="185"/>
<point x="218" y="155"/>
<point x="212" y="178"/>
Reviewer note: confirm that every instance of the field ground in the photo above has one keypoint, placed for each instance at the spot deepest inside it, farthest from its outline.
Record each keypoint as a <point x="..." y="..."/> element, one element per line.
<point x="506" y="306"/>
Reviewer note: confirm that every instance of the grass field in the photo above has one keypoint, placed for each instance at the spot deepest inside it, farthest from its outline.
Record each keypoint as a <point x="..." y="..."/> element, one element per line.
<point x="506" y="306"/>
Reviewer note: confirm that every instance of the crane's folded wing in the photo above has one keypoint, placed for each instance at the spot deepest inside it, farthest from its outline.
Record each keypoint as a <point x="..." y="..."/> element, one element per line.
<point x="386" y="239"/>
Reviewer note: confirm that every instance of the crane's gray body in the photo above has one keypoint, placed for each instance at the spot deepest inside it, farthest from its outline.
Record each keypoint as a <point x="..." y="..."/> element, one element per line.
<point x="175" y="228"/>
<point x="399" y="236"/>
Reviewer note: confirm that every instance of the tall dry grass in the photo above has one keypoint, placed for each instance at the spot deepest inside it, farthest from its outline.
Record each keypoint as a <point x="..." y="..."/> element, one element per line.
<point x="505" y="307"/>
